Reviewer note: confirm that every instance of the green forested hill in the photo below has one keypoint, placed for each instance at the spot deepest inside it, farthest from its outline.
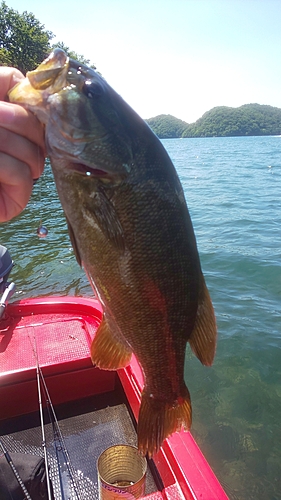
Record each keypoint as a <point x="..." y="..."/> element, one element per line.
<point x="222" y="121"/>
<point x="167" y="126"/>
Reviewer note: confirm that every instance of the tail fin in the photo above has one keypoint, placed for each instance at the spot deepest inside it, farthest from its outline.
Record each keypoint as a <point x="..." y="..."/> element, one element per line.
<point x="158" y="419"/>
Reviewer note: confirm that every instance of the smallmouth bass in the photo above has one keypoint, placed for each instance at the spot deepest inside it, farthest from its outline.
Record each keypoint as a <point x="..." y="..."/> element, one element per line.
<point x="131" y="231"/>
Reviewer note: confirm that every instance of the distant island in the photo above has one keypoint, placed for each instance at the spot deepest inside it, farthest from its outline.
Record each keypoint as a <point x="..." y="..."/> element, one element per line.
<point x="221" y="121"/>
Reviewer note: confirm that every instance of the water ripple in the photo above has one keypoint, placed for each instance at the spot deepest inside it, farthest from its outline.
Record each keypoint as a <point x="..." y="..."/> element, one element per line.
<point x="232" y="187"/>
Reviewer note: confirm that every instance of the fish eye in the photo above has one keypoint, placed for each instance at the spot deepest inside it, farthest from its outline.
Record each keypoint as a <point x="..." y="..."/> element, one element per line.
<point x="92" y="89"/>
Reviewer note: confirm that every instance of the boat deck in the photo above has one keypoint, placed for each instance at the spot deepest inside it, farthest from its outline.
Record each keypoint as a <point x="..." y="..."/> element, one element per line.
<point x="86" y="432"/>
<point x="90" y="404"/>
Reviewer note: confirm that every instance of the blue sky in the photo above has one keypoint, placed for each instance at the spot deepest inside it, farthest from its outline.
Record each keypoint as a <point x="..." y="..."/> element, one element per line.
<point x="179" y="57"/>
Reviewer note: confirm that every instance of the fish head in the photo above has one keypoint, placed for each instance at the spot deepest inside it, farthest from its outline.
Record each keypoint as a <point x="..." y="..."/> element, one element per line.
<point x="77" y="107"/>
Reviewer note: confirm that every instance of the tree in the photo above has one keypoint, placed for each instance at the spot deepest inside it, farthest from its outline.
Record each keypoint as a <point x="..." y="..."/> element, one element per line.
<point x="167" y="126"/>
<point x="222" y="121"/>
<point x="249" y="119"/>
<point x="24" y="42"/>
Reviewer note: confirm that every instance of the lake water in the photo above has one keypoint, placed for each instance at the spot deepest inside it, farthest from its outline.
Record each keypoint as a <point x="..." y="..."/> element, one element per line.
<point x="233" y="191"/>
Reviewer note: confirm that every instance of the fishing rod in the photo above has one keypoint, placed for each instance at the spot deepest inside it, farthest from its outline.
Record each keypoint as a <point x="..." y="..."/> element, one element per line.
<point x="49" y="491"/>
<point x="13" y="467"/>
<point x="65" y="468"/>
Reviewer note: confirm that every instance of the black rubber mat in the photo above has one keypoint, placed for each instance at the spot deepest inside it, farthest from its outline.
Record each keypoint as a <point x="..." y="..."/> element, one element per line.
<point x="85" y="436"/>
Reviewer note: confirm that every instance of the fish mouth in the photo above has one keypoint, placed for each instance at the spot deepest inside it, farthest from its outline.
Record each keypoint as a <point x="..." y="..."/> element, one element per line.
<point x="106" y="178"/>
<point x="87" y="171"/>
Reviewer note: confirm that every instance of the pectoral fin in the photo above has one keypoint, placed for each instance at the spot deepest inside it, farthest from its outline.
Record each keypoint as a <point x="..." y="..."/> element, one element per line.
<point x="104" y="213"/>
<point x="108" y="351"/>
<point x="204" y="334"/>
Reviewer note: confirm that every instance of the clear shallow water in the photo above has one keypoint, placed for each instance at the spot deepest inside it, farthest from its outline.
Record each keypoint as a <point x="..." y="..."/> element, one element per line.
<point x="233" y="191"/>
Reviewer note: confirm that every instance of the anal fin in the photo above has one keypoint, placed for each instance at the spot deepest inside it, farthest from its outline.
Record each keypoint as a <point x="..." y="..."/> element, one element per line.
<point x="107" y="350"/>
<point x="203" y="338"/>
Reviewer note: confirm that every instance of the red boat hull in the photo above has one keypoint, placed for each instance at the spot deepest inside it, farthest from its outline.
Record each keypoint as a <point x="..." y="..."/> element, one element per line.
<point x="64" y="328"/>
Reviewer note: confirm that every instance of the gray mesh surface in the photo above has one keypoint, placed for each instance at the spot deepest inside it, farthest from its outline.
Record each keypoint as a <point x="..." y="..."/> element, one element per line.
<point x="85" y="436"/>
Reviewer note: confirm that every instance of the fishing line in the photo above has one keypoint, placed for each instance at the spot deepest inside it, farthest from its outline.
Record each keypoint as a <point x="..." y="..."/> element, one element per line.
<point x="66" y="470"/>
<point x="42" y="231"/>
<point x="42" y="425"/>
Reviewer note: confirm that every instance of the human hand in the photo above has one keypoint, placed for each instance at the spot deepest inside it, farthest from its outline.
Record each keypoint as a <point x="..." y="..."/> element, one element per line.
<point x="22" y="149"/>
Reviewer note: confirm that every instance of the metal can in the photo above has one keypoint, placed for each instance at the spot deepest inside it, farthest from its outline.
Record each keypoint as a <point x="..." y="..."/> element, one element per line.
<point x="121" y="473"/>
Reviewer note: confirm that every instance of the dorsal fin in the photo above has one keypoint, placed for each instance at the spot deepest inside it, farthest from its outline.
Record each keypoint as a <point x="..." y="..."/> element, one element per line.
<point x="203" y="338"/>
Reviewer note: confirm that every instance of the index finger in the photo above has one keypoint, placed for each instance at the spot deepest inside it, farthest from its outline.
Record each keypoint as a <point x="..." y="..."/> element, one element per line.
<point x="9" y="77"/>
